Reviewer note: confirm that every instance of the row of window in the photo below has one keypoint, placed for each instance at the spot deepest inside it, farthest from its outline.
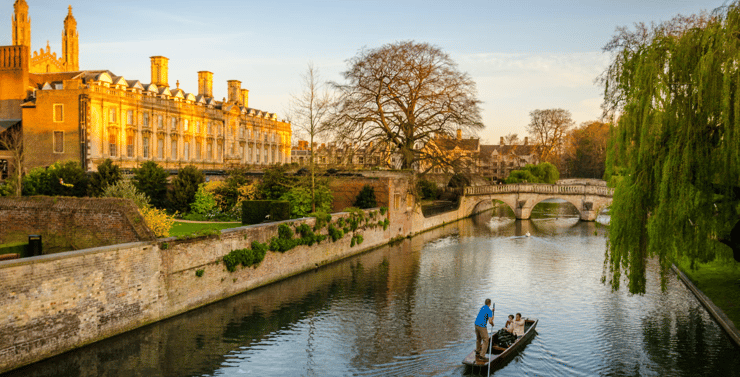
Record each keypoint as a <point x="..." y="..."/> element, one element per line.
<point x="173" y="123"/>
<point x="113" y="150"/>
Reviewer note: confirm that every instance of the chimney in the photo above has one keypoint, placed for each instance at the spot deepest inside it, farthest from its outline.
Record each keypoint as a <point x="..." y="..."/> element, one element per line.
<point x="205" y="84"/>
<point x="459" y="134"/>
<point x="160" y="70"/>
<point x="502" y="140"/>
<point x="526" y="140"/>
<point x="245" y="97"/>
<point x="235" y="87"/>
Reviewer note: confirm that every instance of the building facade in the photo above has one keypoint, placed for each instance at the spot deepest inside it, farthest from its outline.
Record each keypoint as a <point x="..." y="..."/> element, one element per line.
<point x="91" y="115"/>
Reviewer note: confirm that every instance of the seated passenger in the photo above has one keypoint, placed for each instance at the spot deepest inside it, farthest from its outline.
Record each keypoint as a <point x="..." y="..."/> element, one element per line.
<point x="519" y="325"/>
<point x="509" y="326"/>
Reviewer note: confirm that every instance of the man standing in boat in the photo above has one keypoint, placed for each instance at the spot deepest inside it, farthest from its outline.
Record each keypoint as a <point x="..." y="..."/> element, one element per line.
<point x="485" y="316"/>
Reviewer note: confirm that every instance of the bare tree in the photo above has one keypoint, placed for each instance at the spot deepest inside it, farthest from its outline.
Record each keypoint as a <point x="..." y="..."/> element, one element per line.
<point x="548" y="129"/>
<point x="401" y="95"/>
<point x="12" y="141"/>
<point x="308" y="112"/>
<point x="511" y="139"/>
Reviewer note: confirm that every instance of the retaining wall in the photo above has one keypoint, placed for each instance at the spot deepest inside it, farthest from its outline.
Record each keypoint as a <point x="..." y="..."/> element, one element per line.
<point x="54" y="303"/>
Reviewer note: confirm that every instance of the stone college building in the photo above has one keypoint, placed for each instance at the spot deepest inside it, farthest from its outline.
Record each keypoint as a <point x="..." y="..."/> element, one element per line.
<point x="65" y="113"/>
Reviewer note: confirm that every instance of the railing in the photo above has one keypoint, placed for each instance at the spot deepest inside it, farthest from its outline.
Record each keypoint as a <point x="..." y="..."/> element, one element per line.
<point x="536" y="188"/>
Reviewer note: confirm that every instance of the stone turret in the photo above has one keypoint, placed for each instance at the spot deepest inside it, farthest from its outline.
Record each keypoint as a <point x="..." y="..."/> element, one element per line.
<point x="70" y="43"/>
<point x="21" y="24"/>
<point x="160" y="70"/>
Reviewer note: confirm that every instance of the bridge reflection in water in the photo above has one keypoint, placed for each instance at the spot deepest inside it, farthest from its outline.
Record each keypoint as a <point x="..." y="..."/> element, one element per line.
<point x="408" y="310"/>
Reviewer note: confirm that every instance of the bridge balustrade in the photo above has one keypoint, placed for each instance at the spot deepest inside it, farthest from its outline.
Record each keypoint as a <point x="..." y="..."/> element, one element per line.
<point x="540" y="189"/>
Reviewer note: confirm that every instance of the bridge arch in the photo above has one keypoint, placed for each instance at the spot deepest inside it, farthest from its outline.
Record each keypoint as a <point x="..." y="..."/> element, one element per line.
<point x="588" y="199"/>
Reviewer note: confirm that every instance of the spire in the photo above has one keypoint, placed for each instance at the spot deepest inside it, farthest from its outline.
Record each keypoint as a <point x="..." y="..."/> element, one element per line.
<point x="21" y="24"/>
<point x="70" y="43"/>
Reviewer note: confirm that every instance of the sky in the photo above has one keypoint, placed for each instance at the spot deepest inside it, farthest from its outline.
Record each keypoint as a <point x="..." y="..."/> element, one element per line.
<point x="523" y="55"/>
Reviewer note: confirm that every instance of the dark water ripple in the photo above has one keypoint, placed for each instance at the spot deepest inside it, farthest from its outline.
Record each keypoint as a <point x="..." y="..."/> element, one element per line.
<point x="408" y="310"/>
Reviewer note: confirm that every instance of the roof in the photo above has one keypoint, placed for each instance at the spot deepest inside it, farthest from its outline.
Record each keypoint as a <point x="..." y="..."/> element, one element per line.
<point x="515" y="149"/>
<point x="452" y="143"/>
<point x="7" y="123"/>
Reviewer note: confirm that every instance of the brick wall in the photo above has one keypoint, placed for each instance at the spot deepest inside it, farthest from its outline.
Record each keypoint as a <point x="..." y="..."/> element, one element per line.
<point x="71" y="223"/>
<point x="345" y="190"/>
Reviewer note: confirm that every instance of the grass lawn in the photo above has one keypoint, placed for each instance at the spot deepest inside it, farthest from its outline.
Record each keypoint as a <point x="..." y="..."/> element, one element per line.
<point x="181" y="229"/>
<point x="721" y="283"/>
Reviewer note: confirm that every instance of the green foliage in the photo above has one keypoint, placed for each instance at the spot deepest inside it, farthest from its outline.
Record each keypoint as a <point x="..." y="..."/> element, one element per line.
<point x="108" y="174"/>
<point x="151" y="179"/>
<point x="427" y="190"/>
<point x="383" y="210"/>
<point x="7" y="188"/>
<point x="300" y="200"/>
<point x="184" y="187"/>
<point x="279" y="210"/>
<point x="199" y="272"/>
<point x="544" y="172"/>
<point x="386" y="223"/>
<point x="284" y="241"/>
<point x="322" y="219"/>
<point x="676" y="86"/>
<point x="203" y="232"/>
<point x="366" y="198"/>
<point x="205" y="202"/>
<point x="275" y="182"/>
<point x="255" y="211"/>
<point x="60" y="179"/>
<point x="126" y="189"/>
<point x="335" y="233"/>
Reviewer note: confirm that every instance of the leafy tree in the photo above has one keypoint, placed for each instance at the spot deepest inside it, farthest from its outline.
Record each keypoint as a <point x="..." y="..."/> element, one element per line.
<point x="585" y="152"/>
<point x="366" y="198"/>
<point x="676" y="145"/>
<point x="400" y="95"/>
<point x="184" y="187"/>
<point x="544" y="172"/>
<point x="107" y="174"/>
<point x="151" y="179"/>
<point x="548" y="129"/>
<point x="300" y="200"/>
<point x="458" y="181"/>
<point x="275" y="182"/>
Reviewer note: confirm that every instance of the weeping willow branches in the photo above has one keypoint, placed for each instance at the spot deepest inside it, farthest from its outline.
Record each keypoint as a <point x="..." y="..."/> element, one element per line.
<point x="675" y="88"/>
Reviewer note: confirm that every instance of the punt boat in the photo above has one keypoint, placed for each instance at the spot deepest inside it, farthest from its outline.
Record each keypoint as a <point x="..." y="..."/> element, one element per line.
<point x="500" y="354"/>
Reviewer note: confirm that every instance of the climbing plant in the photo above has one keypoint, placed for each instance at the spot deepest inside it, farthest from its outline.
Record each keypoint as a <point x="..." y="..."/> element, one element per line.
<point x="676" y="146"/>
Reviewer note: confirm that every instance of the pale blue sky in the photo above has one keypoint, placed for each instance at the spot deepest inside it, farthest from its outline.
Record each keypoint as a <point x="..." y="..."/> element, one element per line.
<point x="523" y="55"/>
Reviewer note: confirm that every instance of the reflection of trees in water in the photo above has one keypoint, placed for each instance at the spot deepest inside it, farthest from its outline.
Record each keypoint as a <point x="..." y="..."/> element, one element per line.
<point x="683" y="342"/>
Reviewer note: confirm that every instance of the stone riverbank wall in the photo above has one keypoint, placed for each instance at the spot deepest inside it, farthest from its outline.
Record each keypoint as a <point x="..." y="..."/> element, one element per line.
<point x="55" y="303"/>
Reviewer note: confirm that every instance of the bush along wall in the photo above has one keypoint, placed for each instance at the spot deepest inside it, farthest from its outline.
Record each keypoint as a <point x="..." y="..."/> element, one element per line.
<point x="257" y="211"/>
<point x="302" y="234"/>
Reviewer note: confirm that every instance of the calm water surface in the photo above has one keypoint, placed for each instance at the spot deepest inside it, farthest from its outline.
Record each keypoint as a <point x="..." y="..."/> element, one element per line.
<point x="409" y="310"/>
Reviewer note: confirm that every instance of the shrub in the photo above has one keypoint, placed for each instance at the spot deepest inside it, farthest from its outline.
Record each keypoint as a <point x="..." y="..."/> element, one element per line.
<point x="366" y="198"/>
<point x="205" y="202"/>
<point x="300" y="200"/>
<point x="544" y="172"/>
<point x="335" y="233"/>
<point x="184" y="187"/>
<point x="60" y="179"/>
<point x="279" y="210"/>
<point x="157" y="220"/>
<point x="108" y="174"/>
<point x="427" y="190"/>
<point x="151" y="179"/>
<point x="126" y="189"/>
<point x="199" y="272"/>
<point x="255" y="211"/>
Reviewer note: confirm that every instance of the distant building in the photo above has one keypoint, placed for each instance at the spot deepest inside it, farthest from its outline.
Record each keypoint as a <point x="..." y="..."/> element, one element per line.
<point x="91" y="115"/>
<point x="346" y="156"/>
<point x="497" y="161"/>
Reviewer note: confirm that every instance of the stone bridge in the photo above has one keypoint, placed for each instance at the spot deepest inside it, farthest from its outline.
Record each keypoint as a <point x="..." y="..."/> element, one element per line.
<point x="522" y="197"/>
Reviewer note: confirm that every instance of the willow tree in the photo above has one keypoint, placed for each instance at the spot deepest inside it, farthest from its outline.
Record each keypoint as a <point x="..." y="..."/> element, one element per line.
<point x="400" y="96"/>
<point x="675" y="89"/>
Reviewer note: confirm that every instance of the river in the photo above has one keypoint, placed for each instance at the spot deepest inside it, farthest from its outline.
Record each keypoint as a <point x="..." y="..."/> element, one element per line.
<point x="408" y="310"/>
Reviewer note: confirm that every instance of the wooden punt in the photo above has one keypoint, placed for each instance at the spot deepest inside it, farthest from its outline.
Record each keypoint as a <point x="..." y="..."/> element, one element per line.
<point x="500" y="354"/>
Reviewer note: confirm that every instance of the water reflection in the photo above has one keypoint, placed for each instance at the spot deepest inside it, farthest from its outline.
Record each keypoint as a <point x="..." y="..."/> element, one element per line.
<point x="408" y="310"/>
